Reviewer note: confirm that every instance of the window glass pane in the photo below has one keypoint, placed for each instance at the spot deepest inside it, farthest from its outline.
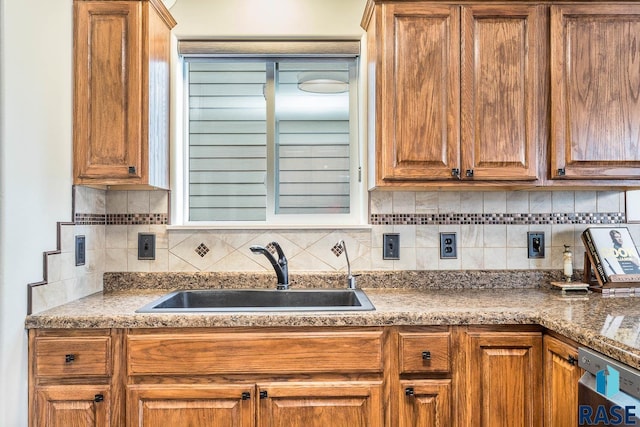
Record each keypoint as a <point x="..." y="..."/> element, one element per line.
<point x="312" y="138"/>
<point x="227" y="141"/>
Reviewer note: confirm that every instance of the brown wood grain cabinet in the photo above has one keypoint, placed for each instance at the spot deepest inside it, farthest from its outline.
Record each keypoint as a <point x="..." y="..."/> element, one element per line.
<point x="456" y="92"/>
<point x="121" y="93"/>
<point x="191" y="405"/>
<point x="504" y="378"/>
<point x="561" y="375"/>
<point x="73" y="405"/>
<point x="392" y="376"/>
<point x="425" y="377"/>
<point x="595" y="91"/>
<point x="503" y="94"/>
<point x="281" y="377"/>
<point x="74" y="378"/>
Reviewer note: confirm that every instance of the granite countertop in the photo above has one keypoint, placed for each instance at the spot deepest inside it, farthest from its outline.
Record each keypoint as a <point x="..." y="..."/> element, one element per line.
<point x="610" y="325"/>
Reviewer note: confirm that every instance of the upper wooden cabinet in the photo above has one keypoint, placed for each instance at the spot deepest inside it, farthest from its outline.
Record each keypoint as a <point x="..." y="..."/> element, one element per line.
<point x="121" y="99"/>
<point x="595" y="91"/>
<point x="501" y="94"/>
<point x="455" y="92"/>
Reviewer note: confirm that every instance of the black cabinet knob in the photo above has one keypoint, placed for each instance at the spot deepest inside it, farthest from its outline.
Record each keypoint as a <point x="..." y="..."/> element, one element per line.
<point x="68" y="358"/>
<point x="98" y="398"/>
<point x="264" y="394"/>
<point x="246" y="395"/>
<point x="572" y="360"/>
<point x="426" y="355"/>
<point x="409" y="391"/>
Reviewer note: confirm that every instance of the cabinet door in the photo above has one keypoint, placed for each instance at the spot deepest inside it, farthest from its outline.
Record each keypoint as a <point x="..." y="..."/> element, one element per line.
<point x="418" y="91"/>
<point x="501" y="91"/>
<point x="425" y="403"/>
<point x="72" y="406"/>
<point x="320" y="404"/>
<point x="504" y="379"/>
<point x="561" y="375"/>
<point x="192" y="405"/>
<point x="108" y="87"/>
<point x="595" y="91"/>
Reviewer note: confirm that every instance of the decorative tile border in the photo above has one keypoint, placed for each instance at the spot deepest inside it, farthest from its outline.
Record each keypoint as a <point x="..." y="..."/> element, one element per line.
<point x="400" y="219"/>
<point x="498" y="218"/>
<point x="138" y="219"/>
<point x="121" y="219"/>
<point x="89" y="219"/>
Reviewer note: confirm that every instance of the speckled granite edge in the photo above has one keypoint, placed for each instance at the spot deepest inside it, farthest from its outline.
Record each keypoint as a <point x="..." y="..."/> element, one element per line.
<point x="423" y="279"/>
<point x="580" y="318"/>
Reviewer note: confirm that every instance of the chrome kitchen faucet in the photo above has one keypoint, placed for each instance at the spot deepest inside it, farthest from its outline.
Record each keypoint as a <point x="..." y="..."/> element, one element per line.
<point x="338" y="249"/>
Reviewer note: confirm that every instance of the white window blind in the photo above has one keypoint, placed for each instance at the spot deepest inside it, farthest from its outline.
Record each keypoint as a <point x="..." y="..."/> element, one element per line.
<point x="312" y="137"/>
<point x="227" y="141"/>
<point x="260" y="147"/>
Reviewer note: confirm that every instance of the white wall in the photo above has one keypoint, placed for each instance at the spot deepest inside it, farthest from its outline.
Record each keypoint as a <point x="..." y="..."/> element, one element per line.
<point x="273" y="18"/>
<point x="35" y="170"/>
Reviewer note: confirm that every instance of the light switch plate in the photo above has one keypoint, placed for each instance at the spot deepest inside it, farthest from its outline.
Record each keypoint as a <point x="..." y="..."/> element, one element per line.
<point x="391" y="246"/>
<point x="535" y="244"/>
<point x="146" y="246"/>
<point x="81" y="250"/>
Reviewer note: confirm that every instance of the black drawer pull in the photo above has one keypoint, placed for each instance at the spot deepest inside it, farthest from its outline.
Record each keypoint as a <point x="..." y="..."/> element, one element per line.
<point x="68" y="358"/>
<point x="264" y="394"/>
<point x="98" y="398"/>
<point x="246" y="395"/>
<point x="426" y="355"/>
<point x="409" y="391"/>
<point x="572" y="360"/>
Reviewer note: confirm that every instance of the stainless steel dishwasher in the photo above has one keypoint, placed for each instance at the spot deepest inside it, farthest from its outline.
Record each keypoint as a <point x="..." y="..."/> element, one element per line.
<point x="608" y="392"/>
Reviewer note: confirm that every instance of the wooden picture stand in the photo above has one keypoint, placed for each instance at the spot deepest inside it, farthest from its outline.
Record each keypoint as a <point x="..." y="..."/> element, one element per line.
<point x="630" y="286"/>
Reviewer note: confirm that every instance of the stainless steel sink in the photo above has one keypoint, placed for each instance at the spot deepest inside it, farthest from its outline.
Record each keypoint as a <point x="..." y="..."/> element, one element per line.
<point x="218" y="300"/>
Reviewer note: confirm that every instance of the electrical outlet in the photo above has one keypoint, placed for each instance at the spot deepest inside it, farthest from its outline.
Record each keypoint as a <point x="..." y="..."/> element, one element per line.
<point x="448" y="245"/>
<point x="146" y="246"/>
<point x="535" y="244"/>
<point x="81" y="250"/>
<point x="391" y="248"/>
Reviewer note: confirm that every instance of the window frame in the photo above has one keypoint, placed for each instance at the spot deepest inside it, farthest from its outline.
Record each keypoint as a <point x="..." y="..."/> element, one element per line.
<point x="288" y="51"/>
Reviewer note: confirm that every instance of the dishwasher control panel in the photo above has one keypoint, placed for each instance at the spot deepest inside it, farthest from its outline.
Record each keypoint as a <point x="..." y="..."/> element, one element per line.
<point x="595" y="362"/>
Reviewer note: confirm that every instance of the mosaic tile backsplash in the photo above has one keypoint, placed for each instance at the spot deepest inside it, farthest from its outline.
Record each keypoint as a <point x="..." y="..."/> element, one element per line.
<point x="491" y="228"/>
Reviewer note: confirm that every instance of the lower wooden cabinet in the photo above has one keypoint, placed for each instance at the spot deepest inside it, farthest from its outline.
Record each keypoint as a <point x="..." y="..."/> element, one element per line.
<point x="193" y="405"/>
<point x="320" y="404"/>
<point x="561" y="375"/>
<point x="504" y="378"/>
<point x="308" y="404"/>
<point x="72" y="405"/>
<point x="435" y="376"/>
<point x="74" y="378"/>
<point x="426" y="403"/>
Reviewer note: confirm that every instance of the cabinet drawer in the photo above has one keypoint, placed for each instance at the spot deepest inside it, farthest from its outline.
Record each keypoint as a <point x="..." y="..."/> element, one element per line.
<point x="252" y="353"/>
<point x="424" y="352"/>
<point x="73" y="357"/>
